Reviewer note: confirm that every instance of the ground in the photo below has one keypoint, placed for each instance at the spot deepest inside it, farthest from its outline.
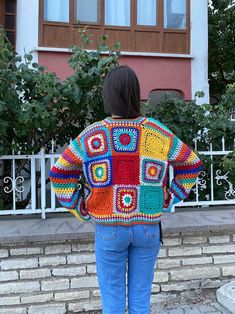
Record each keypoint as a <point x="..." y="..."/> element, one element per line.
<point x="187" y="302"/>
<point x="190" y="302"/>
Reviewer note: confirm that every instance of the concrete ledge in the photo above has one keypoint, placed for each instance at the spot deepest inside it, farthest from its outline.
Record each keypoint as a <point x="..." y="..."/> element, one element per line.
<point x="203" y="221"/>
<point x="62" y="227"/>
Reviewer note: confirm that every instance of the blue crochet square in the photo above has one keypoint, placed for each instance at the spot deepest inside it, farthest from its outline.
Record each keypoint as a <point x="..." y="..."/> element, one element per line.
<point x="125" y="139"/>
<point x="151" y="199"/>
<point x="99" y="172"/>
<point x="152" y="171"/>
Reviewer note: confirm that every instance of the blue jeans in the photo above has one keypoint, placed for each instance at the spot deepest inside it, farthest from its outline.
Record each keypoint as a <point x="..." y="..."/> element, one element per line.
<point x="115" y="246"/>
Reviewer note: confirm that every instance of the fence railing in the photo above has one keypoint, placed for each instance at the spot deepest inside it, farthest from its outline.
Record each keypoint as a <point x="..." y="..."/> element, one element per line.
<point x="25" y="186"/>
<point x="213" y="184"/>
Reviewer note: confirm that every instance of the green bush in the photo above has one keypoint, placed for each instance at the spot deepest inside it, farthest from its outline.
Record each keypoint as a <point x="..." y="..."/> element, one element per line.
<point x="35" y="106"/>
<point x="209" y="124"/>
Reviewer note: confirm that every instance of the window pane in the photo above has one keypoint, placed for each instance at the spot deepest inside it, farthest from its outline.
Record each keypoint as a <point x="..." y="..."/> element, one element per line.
<point x="117" y="12"/>
<point x="157" y="95"/>
<point x="56" y="10"/>
<point x="10" y="6"/>
<point x="147" y="12"/>
<point x="175" y="14"/>
<point x="9" y="22"/>
<point x="87" y="10"/>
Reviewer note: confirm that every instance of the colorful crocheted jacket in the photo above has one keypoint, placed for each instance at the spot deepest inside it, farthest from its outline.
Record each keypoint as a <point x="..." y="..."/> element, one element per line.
<point x="116" y="171"/>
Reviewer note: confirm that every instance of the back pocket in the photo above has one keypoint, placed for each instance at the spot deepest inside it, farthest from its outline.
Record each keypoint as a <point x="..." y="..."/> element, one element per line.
<point x="105" y="232"/>
<point x="152" y="232"/>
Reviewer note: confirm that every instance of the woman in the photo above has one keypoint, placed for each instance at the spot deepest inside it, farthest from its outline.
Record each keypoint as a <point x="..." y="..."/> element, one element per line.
<point x="125" y="160"/>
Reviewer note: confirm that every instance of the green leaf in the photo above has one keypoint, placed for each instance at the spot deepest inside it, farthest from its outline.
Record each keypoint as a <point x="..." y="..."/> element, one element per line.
<point x="28" y="57"/>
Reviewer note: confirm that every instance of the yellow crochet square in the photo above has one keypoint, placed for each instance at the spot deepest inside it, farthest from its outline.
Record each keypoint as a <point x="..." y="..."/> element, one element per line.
<point x="154" y="144"/>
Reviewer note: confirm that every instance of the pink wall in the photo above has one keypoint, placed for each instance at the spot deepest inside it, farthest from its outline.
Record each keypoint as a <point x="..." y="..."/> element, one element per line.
<point x="161" y="73"/>
<point x="56" y="62"/>
<point x="153" y="72"/>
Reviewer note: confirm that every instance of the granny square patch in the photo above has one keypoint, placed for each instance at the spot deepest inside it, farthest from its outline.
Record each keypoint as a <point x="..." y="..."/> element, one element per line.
<point x="125" y="163"/>
<point x="126" y="170"/>
<point x="151" y="199"/>
<point x="154" y="144"/>
<point x="126" y="199"/>
<point x="153" y="171"/>
<point x="125" y="139"/>
<point x="99" y="172"/>
<point x="96" y="143"/>
<point x="101" y="201"/>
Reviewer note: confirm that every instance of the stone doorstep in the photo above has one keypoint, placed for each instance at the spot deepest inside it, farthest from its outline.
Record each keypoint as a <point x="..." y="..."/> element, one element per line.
<point x="61" y="227"/>
<point x="226" y="296"/>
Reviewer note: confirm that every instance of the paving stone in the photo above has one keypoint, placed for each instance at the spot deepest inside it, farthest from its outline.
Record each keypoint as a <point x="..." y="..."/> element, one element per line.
<point x="226" y="296"/>
<point x="192" y="310"/>
<point x="204" y="308"/>
<point x="217" y="312"/>
<point x="176" y="311"/>
<point x="220" y="308"/>
<point x="210" y="307"/>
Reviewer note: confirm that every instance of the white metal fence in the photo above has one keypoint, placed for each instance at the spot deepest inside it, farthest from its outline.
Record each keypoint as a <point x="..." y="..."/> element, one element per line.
<point x="28" y="191"/>
<point x="212" y="182"/>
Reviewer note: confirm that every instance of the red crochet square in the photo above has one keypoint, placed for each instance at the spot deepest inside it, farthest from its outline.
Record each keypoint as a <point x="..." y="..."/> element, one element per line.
<point x="126" y="199"/>
<point x="96" y="143"/>
<point x="126" y="170"/>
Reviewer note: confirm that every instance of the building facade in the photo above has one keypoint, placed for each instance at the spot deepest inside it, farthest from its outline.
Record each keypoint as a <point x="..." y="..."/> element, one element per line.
<point x="164" y="41"/>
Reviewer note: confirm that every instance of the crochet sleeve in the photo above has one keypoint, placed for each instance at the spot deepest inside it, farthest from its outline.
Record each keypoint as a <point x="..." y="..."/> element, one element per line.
<point x="66" y="179"/>
<point x="187" y="167"/>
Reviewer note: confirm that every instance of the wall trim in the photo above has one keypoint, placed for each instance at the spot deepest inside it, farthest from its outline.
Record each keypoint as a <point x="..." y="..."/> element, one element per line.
<point x="27" y="27"/>
<point x="199" y="49"/>
<point x="123" y="53"/>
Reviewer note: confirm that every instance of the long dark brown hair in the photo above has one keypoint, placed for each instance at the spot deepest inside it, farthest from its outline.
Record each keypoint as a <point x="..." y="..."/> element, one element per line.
<point x="121" y="92"/>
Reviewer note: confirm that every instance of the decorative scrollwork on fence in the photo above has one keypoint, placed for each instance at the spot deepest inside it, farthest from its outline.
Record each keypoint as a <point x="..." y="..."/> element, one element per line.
<point x="14" y="185"/>
<point x="79" y="185"/>
<point x="201" y="183"/>
<point x="230" y="191"/>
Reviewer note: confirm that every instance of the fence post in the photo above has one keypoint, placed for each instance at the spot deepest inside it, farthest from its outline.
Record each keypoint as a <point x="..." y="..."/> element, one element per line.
<point x="1" y="183"/>
<point x="43" y="184"/>
<point x="171" y="177"/>
<point x="212" y="172"/>
<point x="52" y="161"/>
<point x="33" y="183"/>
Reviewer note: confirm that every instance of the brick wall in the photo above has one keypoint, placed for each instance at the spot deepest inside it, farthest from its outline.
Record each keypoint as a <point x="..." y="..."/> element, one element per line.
<point x="60" y="277"/>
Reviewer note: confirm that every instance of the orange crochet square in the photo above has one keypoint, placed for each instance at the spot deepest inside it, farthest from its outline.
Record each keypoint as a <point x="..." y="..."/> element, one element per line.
<point x="100" y="202"/>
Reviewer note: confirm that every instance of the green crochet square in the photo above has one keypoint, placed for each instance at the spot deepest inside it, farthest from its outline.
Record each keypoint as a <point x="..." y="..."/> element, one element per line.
<point x="151" y="199"/>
